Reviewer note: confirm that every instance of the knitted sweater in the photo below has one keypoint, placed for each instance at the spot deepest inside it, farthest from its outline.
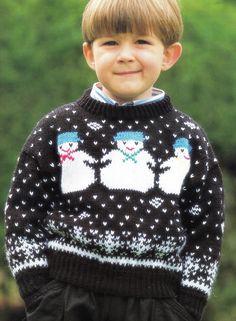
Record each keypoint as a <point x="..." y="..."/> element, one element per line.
<point x="117" y="199"/>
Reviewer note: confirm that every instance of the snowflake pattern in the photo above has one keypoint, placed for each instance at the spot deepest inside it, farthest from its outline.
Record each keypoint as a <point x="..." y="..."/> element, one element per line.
<point x="94" y="126"/>
<point x="156" y="202"/>
<point x="190" y="125"/>
<point x="203" y="273"/>
<point x="195" y="210"/>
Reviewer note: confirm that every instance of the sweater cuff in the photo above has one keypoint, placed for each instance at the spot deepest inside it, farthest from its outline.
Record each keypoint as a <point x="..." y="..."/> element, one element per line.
<point x="31" y="281"/>
<point x="193" y="301"/>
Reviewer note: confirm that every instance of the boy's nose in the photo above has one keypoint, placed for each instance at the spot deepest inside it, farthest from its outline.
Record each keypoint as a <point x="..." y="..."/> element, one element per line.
<point x="125" y="54"/>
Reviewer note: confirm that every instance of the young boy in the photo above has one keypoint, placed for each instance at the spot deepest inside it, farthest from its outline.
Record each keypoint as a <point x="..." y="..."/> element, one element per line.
<point x="116" y="206"/>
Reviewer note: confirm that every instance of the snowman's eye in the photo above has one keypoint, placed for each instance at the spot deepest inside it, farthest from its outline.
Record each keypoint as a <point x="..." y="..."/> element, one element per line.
<point x="60" y="147"/>
<point x="124" y="143"/>
<point x="70" y="144"/>
<point x="136" y="143"/>
<point x="182" y="150"/>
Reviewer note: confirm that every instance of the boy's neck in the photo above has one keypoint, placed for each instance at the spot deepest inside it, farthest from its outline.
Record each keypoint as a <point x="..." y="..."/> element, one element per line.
<point x="99" y="94"/>
<point x="122" y="101"/>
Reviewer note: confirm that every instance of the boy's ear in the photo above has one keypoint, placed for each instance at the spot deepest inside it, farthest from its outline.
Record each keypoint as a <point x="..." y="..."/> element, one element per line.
<point x="171" y="55"/>
<point x="88" y="54"/>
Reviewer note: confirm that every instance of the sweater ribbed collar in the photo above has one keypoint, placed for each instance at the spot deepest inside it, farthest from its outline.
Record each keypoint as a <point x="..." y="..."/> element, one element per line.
<point x="108" y="111"/>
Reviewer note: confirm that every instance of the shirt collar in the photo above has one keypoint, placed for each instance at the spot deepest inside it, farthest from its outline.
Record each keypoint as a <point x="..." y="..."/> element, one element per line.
<point x="98" y="94"/>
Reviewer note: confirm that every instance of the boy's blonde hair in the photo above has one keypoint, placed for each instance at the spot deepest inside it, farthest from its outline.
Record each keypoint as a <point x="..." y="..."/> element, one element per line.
<point x="107" y="17"/>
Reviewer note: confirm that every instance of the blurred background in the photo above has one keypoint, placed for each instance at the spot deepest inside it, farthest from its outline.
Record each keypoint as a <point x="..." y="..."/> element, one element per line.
<point x="41" y="67"/>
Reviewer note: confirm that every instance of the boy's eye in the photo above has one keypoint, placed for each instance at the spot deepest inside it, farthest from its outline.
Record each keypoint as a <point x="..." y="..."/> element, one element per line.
<point x="110" y="43"/>
<point x="143" y="42"/>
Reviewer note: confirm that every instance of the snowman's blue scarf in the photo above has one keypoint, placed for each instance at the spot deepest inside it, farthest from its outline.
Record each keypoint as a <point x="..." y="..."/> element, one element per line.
<point x="130" y="156"/>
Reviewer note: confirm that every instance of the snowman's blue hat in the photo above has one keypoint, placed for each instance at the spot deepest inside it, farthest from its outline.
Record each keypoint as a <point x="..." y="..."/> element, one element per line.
<point x="183" y="143"/>
<point x="67" y="137"/>
<point x="130" y="135"/>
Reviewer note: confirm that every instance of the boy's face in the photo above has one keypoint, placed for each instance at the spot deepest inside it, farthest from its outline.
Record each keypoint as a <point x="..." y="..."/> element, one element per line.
<point x="128" y="65"/>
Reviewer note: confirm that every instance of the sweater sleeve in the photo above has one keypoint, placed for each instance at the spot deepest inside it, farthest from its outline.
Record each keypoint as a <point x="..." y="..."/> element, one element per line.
<point x="26" y="239"/>
<point x="202" y="214"/>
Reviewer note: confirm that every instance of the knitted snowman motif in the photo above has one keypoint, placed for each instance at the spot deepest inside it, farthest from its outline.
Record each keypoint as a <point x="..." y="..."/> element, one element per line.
<point x="129" y="167"/>
<point x="176" y="168"/>
<point x="77" y="173"/>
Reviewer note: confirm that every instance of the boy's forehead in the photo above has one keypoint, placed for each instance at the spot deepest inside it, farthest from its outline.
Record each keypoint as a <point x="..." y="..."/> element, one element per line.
<point x="126" y="35"/>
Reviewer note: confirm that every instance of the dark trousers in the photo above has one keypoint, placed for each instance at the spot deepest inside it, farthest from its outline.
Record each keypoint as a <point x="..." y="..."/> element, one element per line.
<point x="62" y="302"/>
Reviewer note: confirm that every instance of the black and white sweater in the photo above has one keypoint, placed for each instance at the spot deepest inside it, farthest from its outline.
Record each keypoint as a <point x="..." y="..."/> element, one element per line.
<point x="117" y="199"/>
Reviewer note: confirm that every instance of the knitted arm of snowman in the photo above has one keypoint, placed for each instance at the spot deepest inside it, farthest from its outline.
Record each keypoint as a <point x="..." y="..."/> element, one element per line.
<point x="202" y="213"/>
<point x="26" y="239"/>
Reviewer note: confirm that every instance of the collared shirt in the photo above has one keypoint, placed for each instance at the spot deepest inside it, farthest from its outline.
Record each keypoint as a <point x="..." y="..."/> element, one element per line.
<point x="98" y="94"/>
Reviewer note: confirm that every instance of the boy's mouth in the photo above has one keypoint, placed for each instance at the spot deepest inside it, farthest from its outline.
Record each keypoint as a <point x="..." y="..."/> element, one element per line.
<point x="127" y="73"/>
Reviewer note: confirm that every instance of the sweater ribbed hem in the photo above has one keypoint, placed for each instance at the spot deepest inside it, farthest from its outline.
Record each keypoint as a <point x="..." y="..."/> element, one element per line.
<point x="108" y="111"/>
<point x="193" y="302"/>
<point x="111" y="279"/>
